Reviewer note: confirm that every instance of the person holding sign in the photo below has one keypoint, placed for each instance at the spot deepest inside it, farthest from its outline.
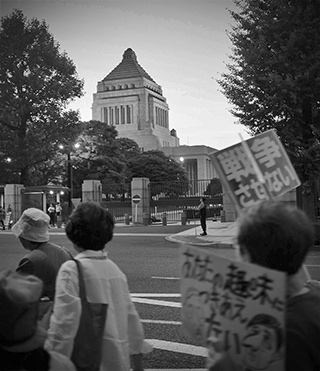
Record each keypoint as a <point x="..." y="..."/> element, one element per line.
<point x="279" y="237"/>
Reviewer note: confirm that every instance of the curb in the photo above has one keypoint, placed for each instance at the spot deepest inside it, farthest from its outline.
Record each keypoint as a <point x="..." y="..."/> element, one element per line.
<point x="188" y="241"/>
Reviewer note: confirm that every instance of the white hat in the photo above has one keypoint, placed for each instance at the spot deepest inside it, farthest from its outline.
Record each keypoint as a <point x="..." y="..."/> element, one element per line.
<point x="33" y="225"/>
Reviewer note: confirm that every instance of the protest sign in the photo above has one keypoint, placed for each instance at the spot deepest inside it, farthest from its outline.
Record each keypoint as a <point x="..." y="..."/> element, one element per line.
<point x="240" y="304"/>
<point x="256" y="169"/>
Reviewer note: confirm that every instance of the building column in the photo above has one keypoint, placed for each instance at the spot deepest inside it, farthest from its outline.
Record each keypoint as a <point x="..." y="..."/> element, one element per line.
<point x="92" y="191"/>
<point x="13" y="197"/>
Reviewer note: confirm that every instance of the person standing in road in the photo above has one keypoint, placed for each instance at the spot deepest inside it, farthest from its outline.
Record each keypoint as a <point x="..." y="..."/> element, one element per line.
<point x="2" y="217"/>
<point x="202" y="209"/>
<point x="44" y="258"/>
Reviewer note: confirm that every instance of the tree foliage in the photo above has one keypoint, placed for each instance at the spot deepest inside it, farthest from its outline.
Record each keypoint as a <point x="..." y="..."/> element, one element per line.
<point x="99" y="155"/>
<point x="37" y="82"/>
<point x="273" y="78"/>
<point x="159" y="168"/>
<point x="156" y="166"/>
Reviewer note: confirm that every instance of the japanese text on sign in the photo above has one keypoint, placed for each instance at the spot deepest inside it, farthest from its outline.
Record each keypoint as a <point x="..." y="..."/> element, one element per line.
<point x="224" y="298"/>
<point x="237" y="171"/>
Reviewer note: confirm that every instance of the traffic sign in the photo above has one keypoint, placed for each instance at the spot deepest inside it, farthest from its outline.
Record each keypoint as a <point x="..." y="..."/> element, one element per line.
<point x="136" y="199"/>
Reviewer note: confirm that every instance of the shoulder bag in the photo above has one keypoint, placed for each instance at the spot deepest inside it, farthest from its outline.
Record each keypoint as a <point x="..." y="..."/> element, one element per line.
<point x="87" y="348"/>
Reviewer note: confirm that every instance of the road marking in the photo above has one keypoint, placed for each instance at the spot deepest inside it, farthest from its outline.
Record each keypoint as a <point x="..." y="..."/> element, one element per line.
<point x="309" y="265"/>
<point x="143" y="234"/>
<point x="176" y="323"/>
<point x="152" y="295"/>
<point x="179" y="347"/>
<point x="162" y="303"/>
<point x="166" y="278"/>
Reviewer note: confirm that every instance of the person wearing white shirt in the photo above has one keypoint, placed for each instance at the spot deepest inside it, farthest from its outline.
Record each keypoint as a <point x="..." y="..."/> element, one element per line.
<point x="90" y="228"/>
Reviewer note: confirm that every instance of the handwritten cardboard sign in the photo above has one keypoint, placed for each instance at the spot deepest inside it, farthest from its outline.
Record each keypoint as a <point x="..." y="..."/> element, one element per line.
<point x="240" y="304"/>
<point x="254" y="170"/>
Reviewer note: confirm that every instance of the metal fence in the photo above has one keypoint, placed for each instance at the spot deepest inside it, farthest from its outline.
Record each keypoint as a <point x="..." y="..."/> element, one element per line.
<point x="176" y="197"/>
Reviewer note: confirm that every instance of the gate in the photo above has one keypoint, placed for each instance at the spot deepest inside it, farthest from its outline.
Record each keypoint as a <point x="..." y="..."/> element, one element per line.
<point x="117" y="200"/>
<point x="175" y="197"/>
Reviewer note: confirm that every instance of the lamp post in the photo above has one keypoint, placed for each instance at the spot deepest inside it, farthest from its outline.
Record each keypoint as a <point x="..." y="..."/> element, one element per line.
<point x="70" y="173"/>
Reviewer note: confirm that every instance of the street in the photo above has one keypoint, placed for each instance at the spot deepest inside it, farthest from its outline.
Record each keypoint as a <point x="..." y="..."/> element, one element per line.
<point x="151" y="265"/>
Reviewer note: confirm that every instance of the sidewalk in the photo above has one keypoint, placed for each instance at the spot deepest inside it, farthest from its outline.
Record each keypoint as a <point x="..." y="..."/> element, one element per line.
<point x="219" y="235"/>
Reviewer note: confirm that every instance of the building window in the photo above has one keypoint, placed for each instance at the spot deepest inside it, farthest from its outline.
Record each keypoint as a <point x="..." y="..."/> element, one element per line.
<point x="122" y="115"/>
<point x="117" y="115"/>
<point x="129" y="112"/>
<point x="111" y="116"/>
<point x="105" y="115"/>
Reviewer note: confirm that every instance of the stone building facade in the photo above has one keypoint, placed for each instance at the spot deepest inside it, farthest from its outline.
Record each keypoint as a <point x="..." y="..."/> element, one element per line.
<point x="133" y="102"/>
<point x="130" y="99"/>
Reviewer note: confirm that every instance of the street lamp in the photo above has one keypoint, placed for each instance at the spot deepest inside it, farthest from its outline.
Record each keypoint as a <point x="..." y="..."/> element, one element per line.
<point x="70" y="174"/>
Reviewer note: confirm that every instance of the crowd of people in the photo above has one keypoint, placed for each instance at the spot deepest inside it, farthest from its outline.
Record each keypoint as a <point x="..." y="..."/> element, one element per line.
<point x="270" y="234"/>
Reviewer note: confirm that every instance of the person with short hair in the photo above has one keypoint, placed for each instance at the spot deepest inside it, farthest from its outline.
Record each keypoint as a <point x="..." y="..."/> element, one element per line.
<point x="45" y="258"/>
<point x="21" y="335"/>
<point x="202" y="209"/>
<point x="277" y="236"/>
<point x="90" y="228"/>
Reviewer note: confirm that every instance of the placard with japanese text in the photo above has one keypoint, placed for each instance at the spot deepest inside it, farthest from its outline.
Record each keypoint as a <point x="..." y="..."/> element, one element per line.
<point x="241" y="304"/>
<point x="239" y="171"/>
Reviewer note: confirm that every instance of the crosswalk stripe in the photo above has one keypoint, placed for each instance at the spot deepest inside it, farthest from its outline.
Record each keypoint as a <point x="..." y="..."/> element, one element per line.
<point x="178" y="347"/>
<point x="162" y="303"/>
<point x="161" y="322"/>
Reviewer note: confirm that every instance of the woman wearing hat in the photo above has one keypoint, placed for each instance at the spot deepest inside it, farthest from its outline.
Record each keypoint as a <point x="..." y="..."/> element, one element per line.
<point x="21" y="336"/>
<point x="45" y="258"/>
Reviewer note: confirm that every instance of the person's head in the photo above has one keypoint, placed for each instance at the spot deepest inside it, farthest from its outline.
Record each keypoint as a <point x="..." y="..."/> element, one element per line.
<point x="32" y="226"/>
<point x="262" y="342"/>
<point x="90" y="226"/>
<point x="19" y="300"/>
<point x="274" y="235"/>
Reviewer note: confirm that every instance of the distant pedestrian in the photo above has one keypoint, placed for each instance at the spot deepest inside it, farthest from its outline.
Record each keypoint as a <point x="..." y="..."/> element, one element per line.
<point x="202" y="209"/>
<point x="58" y="209"/>
<point x="2" y="217"/>
<point x="52" y="214"/>
<point x="44" y="258"/>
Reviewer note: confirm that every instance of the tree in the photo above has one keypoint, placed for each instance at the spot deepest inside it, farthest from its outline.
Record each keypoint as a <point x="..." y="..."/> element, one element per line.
<point x="273" y="80"/>
<point x="158" y="167"/>
<point x="37" y="82"/>
<point x="101" y="155"/>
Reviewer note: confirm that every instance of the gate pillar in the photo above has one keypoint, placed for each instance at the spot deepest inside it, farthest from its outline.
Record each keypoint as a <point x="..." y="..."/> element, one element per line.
<point x="13" y="197"/>
<point x="140" y="192"/>
<point x="92" y="191"/>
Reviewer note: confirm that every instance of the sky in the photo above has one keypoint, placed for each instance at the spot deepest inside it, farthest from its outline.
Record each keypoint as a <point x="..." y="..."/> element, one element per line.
<point x="182" y="44"/>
